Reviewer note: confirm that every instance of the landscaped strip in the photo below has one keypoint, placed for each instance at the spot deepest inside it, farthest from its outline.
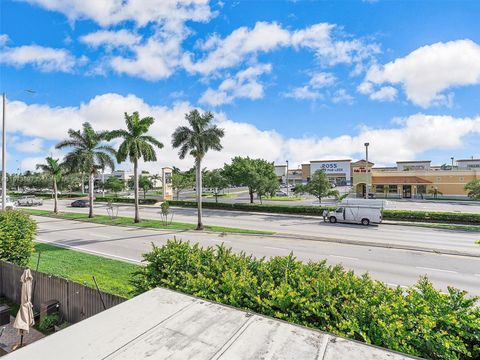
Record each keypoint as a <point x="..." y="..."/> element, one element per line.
<point x="147" y="223"/>
<point x="400" y="215"/>
<point x="113" y="276"/>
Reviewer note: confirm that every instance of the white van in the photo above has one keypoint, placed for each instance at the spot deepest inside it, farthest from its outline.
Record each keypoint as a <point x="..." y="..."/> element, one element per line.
<point x="359" y="214"/>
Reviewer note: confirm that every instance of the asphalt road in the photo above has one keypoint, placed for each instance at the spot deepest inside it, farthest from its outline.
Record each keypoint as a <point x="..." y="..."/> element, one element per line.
<point x="393" y="266"/>
<point x="309" y="226"/>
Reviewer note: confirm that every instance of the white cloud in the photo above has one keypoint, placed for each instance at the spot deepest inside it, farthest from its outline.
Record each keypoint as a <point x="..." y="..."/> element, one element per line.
<point x="3" y="39"/>
<point x="234" y="48"/>
<point x="385" y="93"/>
<point x="331" y="48"/>
<point x="428" y="71"/>
<point x="29" y="146"/>
<point x="243" y="85"/>
<point x="111" y="39"/>
<point x="406" y="139"/>
<point x="322" y="79"/>
<point x="111" y="12"/>
<point x="44" y="58"/>
<point x="342" y="96"/>
<point x="303" y="93"/>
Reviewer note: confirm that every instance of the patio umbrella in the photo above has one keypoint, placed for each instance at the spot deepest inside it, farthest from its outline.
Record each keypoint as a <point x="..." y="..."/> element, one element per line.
<point x="24" y="319"/>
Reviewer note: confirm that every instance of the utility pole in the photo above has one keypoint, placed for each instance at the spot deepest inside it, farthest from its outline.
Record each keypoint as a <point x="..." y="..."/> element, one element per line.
<point x="366" y="169"/>
<point x="4" y="156"/>
<point x="287" y="177"/>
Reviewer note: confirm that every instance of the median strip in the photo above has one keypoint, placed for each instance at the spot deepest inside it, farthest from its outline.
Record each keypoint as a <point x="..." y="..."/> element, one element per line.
<point x="147" y="223"/>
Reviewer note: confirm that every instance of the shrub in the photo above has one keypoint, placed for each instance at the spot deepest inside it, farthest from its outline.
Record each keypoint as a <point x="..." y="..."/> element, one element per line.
<point x="420" y="320"/>
<point x="17" y="233"/>
<point x="403" y="215"/>
<point x="48" y="322"/>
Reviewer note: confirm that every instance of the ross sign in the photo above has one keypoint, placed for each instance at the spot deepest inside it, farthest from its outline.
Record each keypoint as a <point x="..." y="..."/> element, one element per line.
<point x="340" y="168"/>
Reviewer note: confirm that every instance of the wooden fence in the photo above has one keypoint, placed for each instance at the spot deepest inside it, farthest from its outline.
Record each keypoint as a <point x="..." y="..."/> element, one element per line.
<point x="77" y="302"/>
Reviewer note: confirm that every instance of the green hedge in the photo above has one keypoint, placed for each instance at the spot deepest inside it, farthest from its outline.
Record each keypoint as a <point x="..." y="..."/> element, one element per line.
<point x="402" y="215"/>
<point x="419" y="321"/>
<point x="281" y="209"/>
<point x="17" y="234"/>
<point x="125" y="200"/>
<point x="432" y="216"/>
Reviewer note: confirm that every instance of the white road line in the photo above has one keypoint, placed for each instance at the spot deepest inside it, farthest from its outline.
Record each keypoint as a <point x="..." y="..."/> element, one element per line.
<point x="433" y="269"/>
<point x="100" y="235"/>
<point x="89" y="251"/>
<point x="273" y="247"/>
<point x="476" y="274"/>
<point x="343" y="257"/>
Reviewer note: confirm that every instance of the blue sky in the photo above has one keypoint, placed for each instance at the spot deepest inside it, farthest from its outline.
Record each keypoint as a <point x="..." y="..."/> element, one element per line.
<point x="297" y="80"/>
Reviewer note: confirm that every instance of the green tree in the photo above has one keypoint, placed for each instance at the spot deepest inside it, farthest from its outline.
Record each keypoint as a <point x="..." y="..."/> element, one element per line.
<point x="256" y="174"/>
<point x="114" y="184"/>
<point x="53" y="169"/>
<point x="145" y="183"/>
<point x="435" y="192"/>
<point x="197" y="140"/>
<point x="136" y="145"/>
<point x="473" y="188"/>
<point x="181" y="181"/>
<point x="217" y="181"/>
<point x="319" y="186"/>
<point x="89" y="153"/>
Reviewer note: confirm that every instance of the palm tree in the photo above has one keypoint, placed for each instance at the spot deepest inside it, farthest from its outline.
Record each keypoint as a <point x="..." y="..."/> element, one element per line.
<point x="197" y="140"/>
<point x="53" y="169"/>
<point x="136" y="144"/>
<point x="88" y="155"/>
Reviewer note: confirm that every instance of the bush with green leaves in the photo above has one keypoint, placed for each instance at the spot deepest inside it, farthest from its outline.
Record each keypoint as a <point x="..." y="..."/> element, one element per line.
<point x="17" y="234"/>
<point x="48" y="322"/>
<point x="401" y="215"/>
<point x="420" y="320"/>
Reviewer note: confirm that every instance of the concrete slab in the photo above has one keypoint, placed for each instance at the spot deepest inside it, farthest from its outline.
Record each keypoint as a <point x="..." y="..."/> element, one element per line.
<point x="163" y="324"/>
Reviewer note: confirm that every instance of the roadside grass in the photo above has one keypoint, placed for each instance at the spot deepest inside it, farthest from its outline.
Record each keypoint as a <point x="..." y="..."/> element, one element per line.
<point x="146" y="223"/>
<point x="113" y="276"/>
<point x="284" y="198"/>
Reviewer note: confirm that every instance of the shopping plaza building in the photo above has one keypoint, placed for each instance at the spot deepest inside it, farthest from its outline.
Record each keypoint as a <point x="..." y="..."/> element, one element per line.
<point x="408" y="179"/>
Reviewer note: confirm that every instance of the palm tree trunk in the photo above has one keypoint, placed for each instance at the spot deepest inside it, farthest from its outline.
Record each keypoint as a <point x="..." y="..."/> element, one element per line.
<point x="90" y="194"/>
<point x="82" y="186"/>
<point x="135" y="185"/>
<point x="199" y="193"/>
<point x="55" y="194"/>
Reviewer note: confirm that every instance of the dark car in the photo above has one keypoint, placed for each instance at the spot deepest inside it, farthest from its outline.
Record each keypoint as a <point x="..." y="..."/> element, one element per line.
<point x="80" y="203"/>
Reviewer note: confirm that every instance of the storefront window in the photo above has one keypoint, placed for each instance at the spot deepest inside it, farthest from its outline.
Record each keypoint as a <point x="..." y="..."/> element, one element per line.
<point x="392" y="189"/>
<point x="379" y="188"/>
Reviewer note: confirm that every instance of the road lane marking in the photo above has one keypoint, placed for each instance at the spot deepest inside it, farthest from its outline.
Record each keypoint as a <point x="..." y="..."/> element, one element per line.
<point x="275" y="248"/>
<point x="476" y="274"/>
<point x="344" y="257"/>
<point x="100" y="235"/>
<point x="433" y="269"/>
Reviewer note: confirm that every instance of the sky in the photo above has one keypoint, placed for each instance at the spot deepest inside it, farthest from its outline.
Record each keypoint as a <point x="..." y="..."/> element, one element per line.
<point x="287" y="80"/>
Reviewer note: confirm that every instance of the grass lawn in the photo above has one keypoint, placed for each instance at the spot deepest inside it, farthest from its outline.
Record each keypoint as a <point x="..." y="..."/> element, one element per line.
<point x="113" y="276"/>
<point x="284" y="198"/>
<point x="127" y="221"/>
<point x="473" y="228"/>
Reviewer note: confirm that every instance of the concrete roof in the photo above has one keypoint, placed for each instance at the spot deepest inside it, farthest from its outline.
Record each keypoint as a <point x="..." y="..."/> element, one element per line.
<point x="162" y="324"/>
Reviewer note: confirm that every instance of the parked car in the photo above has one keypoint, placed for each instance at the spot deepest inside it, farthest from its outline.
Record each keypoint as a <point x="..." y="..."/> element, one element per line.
<point x="281" y="193"/>
<point x="29" y="200"/>
<point x="80" y="203"/>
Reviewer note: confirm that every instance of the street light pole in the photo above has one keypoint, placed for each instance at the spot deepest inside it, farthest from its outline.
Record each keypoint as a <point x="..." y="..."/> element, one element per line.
<point x="366" y="169"/>
<point x="287" y="177"/>
<point x="4" y="156"/>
